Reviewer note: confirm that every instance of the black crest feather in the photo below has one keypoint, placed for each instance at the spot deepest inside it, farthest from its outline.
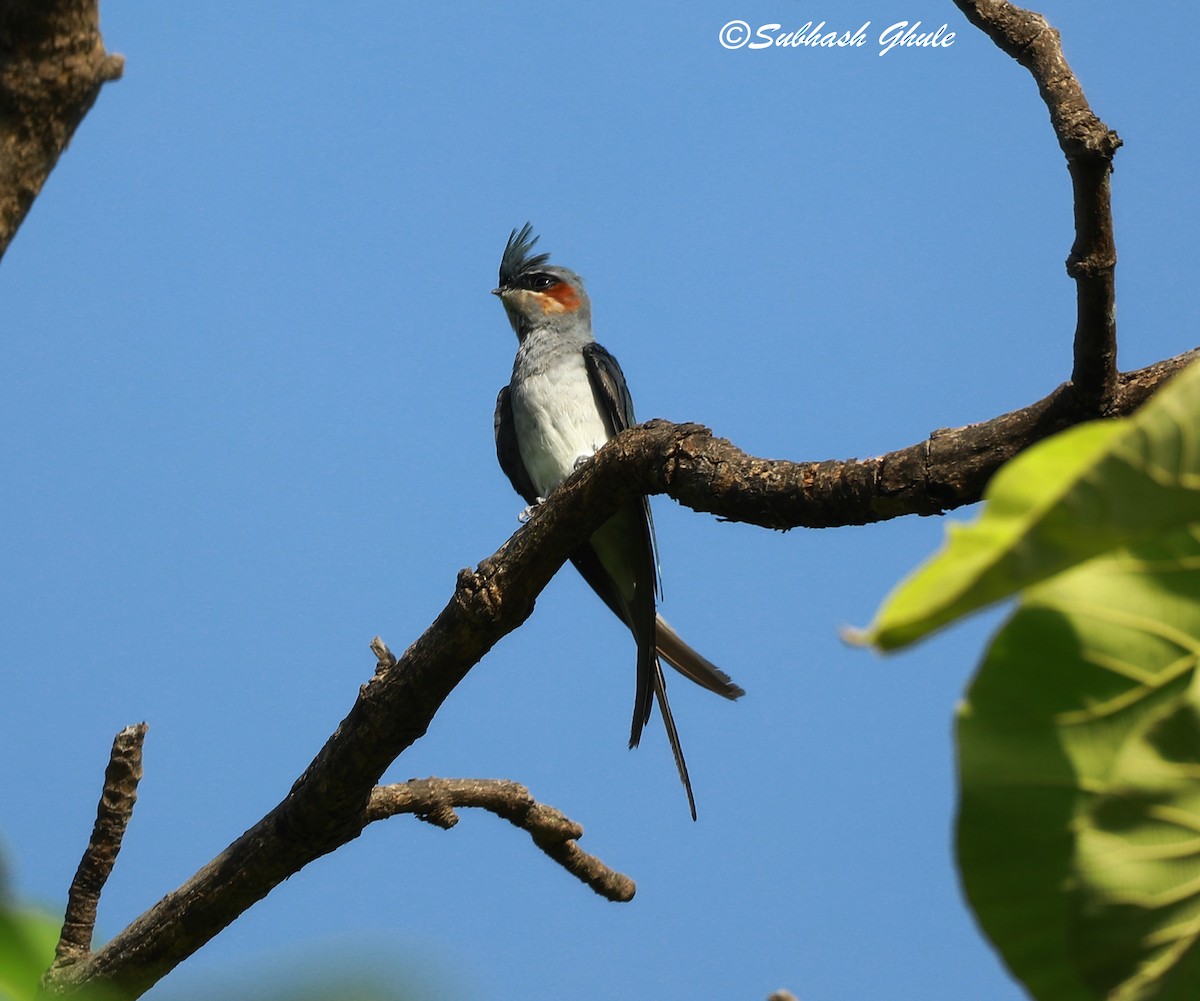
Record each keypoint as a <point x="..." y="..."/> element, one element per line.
<point x="516" y="257"/>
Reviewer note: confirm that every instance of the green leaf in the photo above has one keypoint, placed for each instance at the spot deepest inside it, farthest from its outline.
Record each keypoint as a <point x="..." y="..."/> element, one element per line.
<point x="27" y="941"/>
<point x="1065" y="500"/>
<point x="1079" y="764"/>
<point x="1137" y="899"/>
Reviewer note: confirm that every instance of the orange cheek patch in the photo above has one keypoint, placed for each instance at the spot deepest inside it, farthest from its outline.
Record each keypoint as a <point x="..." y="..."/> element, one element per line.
<point x="560" y="298"/>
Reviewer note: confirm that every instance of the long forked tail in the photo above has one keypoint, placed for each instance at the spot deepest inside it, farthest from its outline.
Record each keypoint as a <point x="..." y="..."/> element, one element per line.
<point x="653" y="686"/>
<point x="691" y="665"/>
<point x="671" y="647"/>
<point x="664" y="707"/>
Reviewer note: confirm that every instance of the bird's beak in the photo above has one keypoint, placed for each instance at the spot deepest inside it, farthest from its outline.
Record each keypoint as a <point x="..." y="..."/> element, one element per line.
<point x="497" y="291"/>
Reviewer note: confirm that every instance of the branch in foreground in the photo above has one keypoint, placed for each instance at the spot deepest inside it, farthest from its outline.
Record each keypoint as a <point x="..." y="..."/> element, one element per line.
<point x="52" y="66"/>
<point x="328" y="805"/>
<point x="1089" y="146"/>
<point x="117" y="799"/>
<point x="434" y="800"/>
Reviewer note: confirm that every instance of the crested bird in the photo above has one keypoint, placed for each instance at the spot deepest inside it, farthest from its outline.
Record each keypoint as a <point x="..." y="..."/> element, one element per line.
<point x="567" y="397"/>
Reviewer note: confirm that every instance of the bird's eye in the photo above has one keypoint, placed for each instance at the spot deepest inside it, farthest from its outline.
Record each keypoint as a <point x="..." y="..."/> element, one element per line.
<point x="539" y="283"/>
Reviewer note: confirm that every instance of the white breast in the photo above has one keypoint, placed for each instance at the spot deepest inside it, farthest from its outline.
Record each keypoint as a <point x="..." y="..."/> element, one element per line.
<point x="556" y="417"/>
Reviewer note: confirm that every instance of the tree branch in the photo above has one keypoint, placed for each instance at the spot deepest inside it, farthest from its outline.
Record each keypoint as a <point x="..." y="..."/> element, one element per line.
<point x="1089" y="146"/>
<point x="329" y="806"/>
<point x="52" y="66"/>
<point x="330" y="803"/>
<point x="433" y="800"/>
<point x="947" y="470"/>
<point x="121" y="780"/>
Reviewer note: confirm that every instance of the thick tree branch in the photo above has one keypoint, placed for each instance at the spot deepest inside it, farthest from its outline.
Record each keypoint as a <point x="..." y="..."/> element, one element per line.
<point x="330" y="803"/>
<point x="52" y="66"/>
<point x="121" y="780"/>
<point x="947" y="470"/>
<point x="434" y="800"/>
<point x="1089" y="146"/>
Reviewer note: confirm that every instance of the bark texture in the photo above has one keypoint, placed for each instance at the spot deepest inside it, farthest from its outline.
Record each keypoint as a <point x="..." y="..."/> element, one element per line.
<point x="52" y="66"/>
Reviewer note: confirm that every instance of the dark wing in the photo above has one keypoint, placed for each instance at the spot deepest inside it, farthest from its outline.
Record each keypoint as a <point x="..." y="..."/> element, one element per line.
<point x="608" y="382"/>
<point x="612" y="393"/>
<point x="612" y="397"/>
<point x="507" y="451"/>
<point x="616" y="405"/>
<point x="611" y="390"/>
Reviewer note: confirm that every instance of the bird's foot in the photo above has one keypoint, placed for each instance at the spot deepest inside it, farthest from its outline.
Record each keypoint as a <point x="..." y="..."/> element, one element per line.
<point x="526" y="514"/>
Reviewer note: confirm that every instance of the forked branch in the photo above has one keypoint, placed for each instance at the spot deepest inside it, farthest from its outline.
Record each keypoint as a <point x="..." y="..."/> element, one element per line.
<point x="434" y="800"/>
<point x="1089" y="146"/>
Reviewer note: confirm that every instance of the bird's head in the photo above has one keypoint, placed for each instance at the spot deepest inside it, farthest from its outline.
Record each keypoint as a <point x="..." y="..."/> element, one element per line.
<point x="536" y="293"/>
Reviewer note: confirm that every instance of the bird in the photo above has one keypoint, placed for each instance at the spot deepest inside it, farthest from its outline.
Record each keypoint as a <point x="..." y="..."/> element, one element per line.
<point x="566" y="398"/>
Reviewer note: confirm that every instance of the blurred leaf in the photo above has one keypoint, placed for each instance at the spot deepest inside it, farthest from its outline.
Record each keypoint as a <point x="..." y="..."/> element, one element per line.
<point x="1079" y="761"/>
<point x="1138" y="901"/>
<point x="27" y="941"/>
<point x="1065" y="500"/>
<point x="1079" y="740"/>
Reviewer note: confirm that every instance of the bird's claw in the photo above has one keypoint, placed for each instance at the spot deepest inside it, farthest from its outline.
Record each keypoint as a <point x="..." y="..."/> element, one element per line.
<point x="527" y="513"/>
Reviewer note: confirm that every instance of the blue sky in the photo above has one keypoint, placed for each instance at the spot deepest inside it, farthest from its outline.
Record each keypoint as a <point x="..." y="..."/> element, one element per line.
<point x="247" y="382"/>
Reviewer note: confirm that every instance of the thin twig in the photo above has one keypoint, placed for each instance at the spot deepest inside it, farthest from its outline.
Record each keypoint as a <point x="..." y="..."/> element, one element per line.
<point x="385" y="659"/>
<point x="112" y="817"/>
<point x="1089" y="146"/>
<point x="434" y="800"/>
